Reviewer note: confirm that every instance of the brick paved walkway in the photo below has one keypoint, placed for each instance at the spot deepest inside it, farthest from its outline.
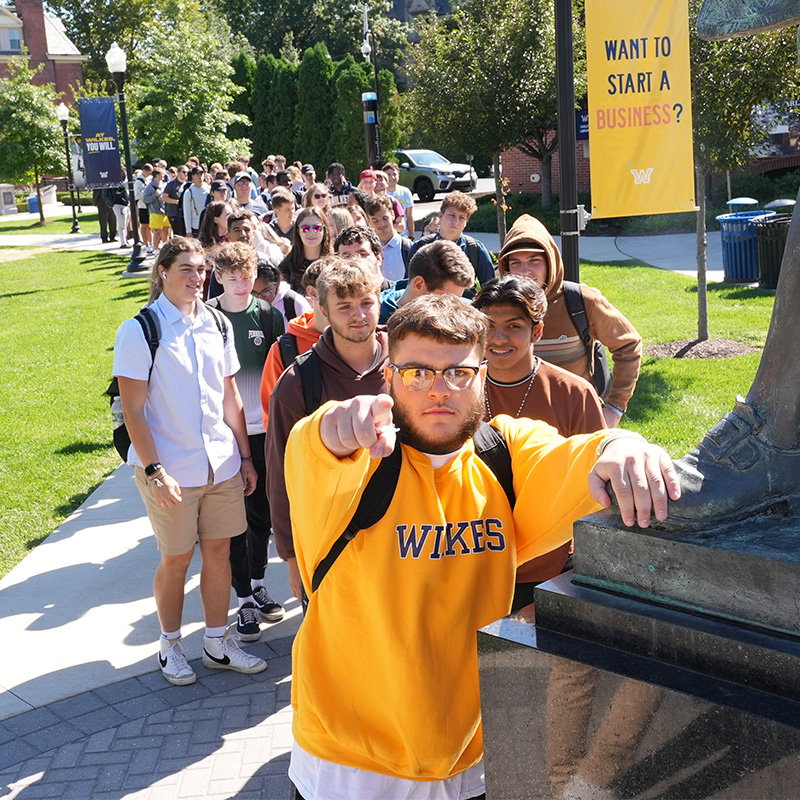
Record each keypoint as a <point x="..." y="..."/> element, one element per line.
<point x="226" y="736"/>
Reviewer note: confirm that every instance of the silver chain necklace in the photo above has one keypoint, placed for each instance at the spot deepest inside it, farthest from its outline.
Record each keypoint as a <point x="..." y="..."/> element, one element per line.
<point x="536" y="362"/>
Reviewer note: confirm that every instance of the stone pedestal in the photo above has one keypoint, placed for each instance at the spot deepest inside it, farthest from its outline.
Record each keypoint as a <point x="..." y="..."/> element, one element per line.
<point x="630" y="694"/>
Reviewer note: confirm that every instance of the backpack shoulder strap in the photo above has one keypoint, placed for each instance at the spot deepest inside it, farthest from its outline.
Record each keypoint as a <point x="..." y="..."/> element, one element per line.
<point x="288" y="349"/>
<point x="151" y="328"/>
<point x="270" y="320"/>
<point x="405" y="251"/>
<point x="220" y="320"/>
<point x="289" y="306"/>
<point x="491" y="447"/>
<point x="573" y="297"/>
<point x="473" y="252"/>
<point x="373" y="505"/>
<point x="310" y="372"/>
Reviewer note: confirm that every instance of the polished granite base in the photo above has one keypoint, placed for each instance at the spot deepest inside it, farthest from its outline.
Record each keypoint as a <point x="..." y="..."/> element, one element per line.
<point x="613" y="711"/>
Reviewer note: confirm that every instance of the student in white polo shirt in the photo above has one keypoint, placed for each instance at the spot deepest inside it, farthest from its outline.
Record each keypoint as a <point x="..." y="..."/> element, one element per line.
<point x="190" y="449"/>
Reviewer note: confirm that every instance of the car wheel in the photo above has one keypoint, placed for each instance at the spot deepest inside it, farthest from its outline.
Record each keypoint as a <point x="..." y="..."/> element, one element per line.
<point x="424" y="190"/>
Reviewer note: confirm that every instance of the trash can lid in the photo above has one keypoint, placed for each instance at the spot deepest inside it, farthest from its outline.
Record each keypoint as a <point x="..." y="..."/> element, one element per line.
<point x="781" y="203"/>
<point x="742" y="201"/>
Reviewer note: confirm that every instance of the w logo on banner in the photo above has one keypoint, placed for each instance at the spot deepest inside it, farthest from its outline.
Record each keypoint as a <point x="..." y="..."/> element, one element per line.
<point x="642" y="175"/>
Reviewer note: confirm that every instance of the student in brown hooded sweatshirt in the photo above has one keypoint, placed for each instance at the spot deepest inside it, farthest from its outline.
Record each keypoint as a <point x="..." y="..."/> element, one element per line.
<point x="529" y="250"/>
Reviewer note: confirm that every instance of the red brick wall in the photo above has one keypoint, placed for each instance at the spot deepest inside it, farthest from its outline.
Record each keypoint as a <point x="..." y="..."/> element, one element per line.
<point x="60" y="73"/>
<point x="518" y="168"/>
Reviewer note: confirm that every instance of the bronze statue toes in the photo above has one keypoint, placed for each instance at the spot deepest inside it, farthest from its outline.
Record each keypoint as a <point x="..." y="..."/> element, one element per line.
<point x="734" y="473"/>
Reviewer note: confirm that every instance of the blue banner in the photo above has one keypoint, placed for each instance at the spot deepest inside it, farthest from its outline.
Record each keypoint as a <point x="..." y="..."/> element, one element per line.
<point x="100" y="142"/>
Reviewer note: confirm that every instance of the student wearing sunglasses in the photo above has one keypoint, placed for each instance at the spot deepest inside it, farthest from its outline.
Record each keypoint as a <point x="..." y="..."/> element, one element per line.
<point x="312" y="239"/>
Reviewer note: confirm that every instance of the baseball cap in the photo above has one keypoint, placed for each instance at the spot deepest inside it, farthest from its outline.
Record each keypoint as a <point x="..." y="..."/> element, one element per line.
<point x="240" y="176"/>
<point x="218" y="186"/>
<point x="307" y="169"/>
<point x="368" y="173"/>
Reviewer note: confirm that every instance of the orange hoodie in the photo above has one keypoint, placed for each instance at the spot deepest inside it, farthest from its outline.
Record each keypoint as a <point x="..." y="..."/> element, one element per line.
<point x="306" y="335"/>
<point x="560" y="343"/>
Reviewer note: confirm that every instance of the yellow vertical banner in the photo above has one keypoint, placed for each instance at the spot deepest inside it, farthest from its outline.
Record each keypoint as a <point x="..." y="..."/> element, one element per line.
<point x="640" y="107"/>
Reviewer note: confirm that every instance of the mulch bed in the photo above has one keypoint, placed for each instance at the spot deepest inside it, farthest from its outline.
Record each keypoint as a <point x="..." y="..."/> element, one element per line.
<point x="696" y="348"/>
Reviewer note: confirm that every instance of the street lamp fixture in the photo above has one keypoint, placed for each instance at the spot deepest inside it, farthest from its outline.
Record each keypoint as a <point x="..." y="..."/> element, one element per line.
<point x="117" y="63"/>
<point x="62" y="112"/>
<point x="369" y="102"/>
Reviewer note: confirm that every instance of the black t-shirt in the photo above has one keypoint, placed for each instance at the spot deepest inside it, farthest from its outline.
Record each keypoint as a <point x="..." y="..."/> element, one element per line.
<point x="173" y="190"/>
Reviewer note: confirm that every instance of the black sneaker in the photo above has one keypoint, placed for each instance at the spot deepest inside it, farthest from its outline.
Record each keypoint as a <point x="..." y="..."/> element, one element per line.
<point x="247" y="628"/>
<point x="269" y="610"/>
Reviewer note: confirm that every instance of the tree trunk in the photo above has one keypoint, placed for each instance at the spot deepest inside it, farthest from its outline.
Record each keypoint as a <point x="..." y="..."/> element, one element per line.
<point x="702" y="293"/>
<point x="500" y="198"/>
<point x="547" y="177"/>
<point x="38" y="194"/>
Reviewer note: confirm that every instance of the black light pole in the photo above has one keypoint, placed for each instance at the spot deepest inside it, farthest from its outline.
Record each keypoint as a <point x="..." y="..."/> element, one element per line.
<point x="369" y="104"/>
<point x="62" y="112"/>
<point x="567" y="141"/>
<point x="117" y="64"/>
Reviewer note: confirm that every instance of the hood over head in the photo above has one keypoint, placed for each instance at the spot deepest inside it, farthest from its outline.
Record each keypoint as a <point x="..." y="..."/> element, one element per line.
<point x="527" y="230"/>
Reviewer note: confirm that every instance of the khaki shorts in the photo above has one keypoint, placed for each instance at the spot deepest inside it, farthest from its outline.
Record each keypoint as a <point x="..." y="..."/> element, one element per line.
<point x="213" y="511"/>
<point x="159" y="221"/>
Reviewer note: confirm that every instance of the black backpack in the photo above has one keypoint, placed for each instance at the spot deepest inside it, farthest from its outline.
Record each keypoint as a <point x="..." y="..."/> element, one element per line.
<point x="596" y="352"/>
<point x="148" y="319"/>
<point x="490" y="446"/>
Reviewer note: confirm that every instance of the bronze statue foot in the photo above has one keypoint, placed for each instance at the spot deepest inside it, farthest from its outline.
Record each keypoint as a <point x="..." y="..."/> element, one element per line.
<point x="734" y="473"/>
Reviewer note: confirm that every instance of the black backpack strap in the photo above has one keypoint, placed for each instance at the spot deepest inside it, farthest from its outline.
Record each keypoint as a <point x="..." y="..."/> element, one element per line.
<point x="152" y="332"/>
<point x="220" y="320"/>
<point x="473" y="252"/>
<point x="491" y="447"/>
<point x="151" y="329"/>
<point x="310" y="372"/>
<point x="289" y="306"/>
<point x="373" y="505"/>
<point x="271" y="321"/>
<point x="288" y="349"/>
<point x="573" y="297"/>
<point x="405" y="251"/>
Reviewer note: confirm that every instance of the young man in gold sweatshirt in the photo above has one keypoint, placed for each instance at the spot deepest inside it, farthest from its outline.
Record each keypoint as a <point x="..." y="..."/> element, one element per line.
<point x="385" y="674"/>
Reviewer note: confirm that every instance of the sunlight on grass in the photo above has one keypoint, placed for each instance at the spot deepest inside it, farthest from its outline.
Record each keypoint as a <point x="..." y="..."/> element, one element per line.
<point x="61" y="312"/>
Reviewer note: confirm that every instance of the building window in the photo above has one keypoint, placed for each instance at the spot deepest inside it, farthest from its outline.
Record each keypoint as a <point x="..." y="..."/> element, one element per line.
<point x="10" y="41"/>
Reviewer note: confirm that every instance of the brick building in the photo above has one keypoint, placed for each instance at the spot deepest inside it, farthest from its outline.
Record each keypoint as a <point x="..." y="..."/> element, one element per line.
<point x="28" y="24"/>
<point x="523" y="172"/>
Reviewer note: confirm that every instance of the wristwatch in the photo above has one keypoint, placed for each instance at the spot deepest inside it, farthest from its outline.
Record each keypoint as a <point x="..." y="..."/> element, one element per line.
<point x="152" y="469"/>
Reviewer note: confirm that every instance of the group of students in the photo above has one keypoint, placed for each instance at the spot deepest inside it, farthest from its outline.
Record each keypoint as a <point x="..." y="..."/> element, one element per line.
<point x="208" y="448"/>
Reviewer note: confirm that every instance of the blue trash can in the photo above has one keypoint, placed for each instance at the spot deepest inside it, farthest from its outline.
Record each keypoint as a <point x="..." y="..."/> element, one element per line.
<point x="739" y="259"/>
<point x="33" y="204"/>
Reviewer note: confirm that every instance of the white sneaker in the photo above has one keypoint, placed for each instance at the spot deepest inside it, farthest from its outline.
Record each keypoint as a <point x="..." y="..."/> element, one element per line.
<point x="172" y="660"/>
<point x="225" y="653"/>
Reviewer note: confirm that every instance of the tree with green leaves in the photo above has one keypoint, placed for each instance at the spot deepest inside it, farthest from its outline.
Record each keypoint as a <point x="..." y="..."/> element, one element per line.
<point x="731" y="79"/>
<point x="282" y="102"/>
<point x="266" y="68"/>
<point x="31" y="138"/>
<point x="351" y="80"/>
<point x="244" y="76"/>
<point x="94" y="26"/>
<point x="315" y="107"/>
<point x="481" y="75"/>
<point x="267" y="23"/>
<point x="181" y="106"/>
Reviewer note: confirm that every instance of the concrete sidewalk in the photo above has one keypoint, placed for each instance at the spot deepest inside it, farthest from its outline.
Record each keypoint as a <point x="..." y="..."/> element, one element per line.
<point x="85" y="711"/>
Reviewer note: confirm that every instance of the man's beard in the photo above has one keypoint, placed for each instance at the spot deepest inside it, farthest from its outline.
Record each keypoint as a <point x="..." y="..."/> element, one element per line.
<point x="413" y="437"/>
<point x="349" y="335"/>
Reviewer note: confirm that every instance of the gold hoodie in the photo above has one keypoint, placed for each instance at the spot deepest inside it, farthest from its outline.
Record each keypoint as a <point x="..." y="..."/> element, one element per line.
<point x="560" y="343"/>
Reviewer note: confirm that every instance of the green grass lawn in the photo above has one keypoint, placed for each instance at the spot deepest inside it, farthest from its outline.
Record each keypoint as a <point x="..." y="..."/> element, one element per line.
<point x="61" y="311"/>
<point x="677" y="400"/>
<point x="57" y="224"/>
